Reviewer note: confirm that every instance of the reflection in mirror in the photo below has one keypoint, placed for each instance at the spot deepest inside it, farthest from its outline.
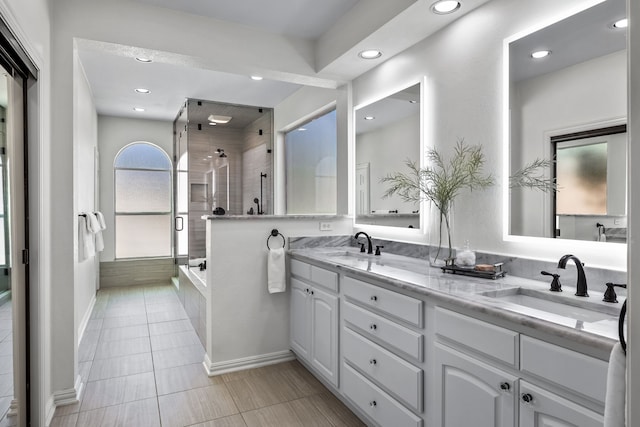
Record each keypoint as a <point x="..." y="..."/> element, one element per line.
<point x="590" y="172"/>
<point x="558" y="105"/>
<point x="387" y="134"/>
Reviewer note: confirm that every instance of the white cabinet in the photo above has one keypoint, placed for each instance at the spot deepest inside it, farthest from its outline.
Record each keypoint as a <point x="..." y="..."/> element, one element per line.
<point x="314" y="327"/>
<point x="472" y="393"/>
<point x="541" y="408"/>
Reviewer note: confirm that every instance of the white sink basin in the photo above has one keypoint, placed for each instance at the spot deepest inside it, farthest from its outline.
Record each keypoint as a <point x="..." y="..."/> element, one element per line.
<point x="566" y="306"/>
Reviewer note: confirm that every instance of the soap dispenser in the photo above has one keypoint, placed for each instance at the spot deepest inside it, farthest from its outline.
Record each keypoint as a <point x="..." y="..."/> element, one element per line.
<point x="467" y="257"/>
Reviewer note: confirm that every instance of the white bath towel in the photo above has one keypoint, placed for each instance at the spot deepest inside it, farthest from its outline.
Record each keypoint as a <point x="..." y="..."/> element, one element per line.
<point x="86" y="245"/>
<point x="103" y="224"/>
<point x="276" y="279"/>
<point x="94" y="226"/>
<point x="615" y="401"/>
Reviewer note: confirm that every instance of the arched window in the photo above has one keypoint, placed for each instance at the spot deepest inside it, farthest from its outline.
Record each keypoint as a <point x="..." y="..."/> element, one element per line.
<point x="142" y="202"/>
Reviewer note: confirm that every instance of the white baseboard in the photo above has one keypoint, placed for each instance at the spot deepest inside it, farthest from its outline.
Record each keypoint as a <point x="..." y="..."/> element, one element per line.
<point x="85" y="319"/>
<point x="70" y="395"/>
<point x="49" y="410"/>
<point x="227" y="366"/>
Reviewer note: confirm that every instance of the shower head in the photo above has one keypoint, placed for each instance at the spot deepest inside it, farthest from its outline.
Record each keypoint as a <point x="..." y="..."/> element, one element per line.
<point x="223" y="155"/>
<point x="220" y="151"/>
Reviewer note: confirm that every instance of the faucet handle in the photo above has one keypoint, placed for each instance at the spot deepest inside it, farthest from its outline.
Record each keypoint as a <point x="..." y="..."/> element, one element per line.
<point x="610" y="293"/>
<point x="361" y="247"/>
<point x="555" y="283"/>
<point x="378" y="249"/>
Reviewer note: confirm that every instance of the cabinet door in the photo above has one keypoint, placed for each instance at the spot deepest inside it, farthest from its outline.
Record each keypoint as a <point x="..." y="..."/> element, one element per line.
<point x="324" y="334"/>
<point x="541" y="408"/>
<point x="472" y="393"/>
<point x="300" y="326"/>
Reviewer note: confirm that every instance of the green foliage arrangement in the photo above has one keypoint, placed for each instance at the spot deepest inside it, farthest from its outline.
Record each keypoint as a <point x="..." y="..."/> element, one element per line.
<point x="532" y="175"/>
<point x="441" y="182"/>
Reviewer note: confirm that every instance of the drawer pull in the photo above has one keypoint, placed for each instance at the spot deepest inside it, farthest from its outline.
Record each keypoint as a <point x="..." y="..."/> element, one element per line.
<point x="373" y="404"/>
<point x="373" y="327"/>
<point x="505" y="386"/>
<point x="374" y="298"/>
<point x="527" y="398"/>
<point x="373" y="362"/>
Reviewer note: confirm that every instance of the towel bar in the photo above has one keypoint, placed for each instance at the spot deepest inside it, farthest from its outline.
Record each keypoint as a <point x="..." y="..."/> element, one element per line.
<point x="276" y="233"/>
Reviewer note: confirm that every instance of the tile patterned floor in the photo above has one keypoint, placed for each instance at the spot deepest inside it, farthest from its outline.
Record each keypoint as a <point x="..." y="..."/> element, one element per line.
<point x="141" y="362"/>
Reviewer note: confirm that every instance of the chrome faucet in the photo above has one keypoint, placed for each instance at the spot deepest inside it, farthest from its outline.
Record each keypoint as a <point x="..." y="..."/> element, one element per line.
<point x="581" y="286"/>
<point x="369" y="245"/>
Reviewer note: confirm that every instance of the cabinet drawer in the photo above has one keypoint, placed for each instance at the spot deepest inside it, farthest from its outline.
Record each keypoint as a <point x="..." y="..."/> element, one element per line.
<point x="374" y="402"/>
<point x="493" y="341"/>
<point x="300" y="269"/>
<point x="325" y="278"/>
<point x="580" y="373"/>
<point x="401" y="378"/>
<point x="400" y="338"/>
<point x="393" y="303"/>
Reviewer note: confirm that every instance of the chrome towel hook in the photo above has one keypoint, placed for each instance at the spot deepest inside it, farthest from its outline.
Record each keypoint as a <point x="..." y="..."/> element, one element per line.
<point x="276" y="233"/>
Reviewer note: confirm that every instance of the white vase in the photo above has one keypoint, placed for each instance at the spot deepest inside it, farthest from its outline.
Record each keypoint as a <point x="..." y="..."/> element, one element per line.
<point x="440" y="232"/>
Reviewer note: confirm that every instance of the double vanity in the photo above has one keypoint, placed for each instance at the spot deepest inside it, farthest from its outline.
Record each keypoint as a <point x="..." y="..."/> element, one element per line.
<point x="404" y="344"/>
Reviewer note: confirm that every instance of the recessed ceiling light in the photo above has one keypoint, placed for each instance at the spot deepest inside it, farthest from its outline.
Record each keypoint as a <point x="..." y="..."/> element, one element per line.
<point x="143" y="59"/>
<point x="413" y="101"/>
<point x="219" y="119"/>
<point x="301" y="129"/>
<point x="256" y="78"/>
<point x="369" y="118"/>
<point x="213" y="124"/>
<point x="444" y="7"/>
<point x="209" y="157"/>
<point x="622" y="23"/>
<point x="370" y="54"/>
<point x="138" y="109"/>
<point x="540" y="54"/>
<point x="142" y="90"/>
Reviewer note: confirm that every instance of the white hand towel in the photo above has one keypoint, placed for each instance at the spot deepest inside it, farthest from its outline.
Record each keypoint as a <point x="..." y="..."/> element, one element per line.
<point x="615" y="400"/>
<point x="99" y="242"/>
<point x="100" y="217"/>
<point x="92" y="223"/>
<point x="276" y="279"/>
<point x="86" y="246"/>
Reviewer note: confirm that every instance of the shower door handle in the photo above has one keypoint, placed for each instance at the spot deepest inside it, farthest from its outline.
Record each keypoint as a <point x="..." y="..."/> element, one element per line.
<point x="175" y="223"/>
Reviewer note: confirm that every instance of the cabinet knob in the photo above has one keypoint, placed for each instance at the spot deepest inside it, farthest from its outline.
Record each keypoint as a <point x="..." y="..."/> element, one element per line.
<point x="307" y="290"/>
<point x="373" y="362"/>
<point x="505" y="386"/>
<point x="312" y="293"/>
<point x="374" y="298"/>
<point x="373" y="326"/>
<point x="373" y="404"/>
<point x="526" y="398"/>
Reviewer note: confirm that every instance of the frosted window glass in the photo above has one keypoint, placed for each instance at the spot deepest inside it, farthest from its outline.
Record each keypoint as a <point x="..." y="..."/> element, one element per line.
<point x="143" y="191"/>
<point x="142" y="156"/>
<point x="310" y="156"/>
<point x="143" y="236"/>
<point x="182" y="238"/>
<point x="2" y="189"/>
<point x="581" y="176"/>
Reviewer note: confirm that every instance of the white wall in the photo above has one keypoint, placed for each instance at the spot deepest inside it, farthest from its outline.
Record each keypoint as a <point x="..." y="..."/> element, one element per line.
<point x="238" y="304"/>
<point x="85" y="141"/>
<point x="463" y="64"/>
<point x="387" y="150"/>
<point x="557" y="101"/>
<point x="114" y="133"/>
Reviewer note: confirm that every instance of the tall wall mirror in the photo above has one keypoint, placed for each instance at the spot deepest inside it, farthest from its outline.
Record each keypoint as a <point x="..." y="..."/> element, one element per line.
<point x="387" y="134"/>
<point x="567" y="104"/>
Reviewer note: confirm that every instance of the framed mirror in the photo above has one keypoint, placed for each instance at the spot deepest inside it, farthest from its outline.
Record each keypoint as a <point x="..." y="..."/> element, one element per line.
<point x="566" y="103"/>
<point x="387" y="133"/>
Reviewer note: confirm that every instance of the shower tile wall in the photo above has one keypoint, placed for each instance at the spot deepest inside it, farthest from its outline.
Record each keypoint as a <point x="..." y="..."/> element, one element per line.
<point x="255" y="160"/>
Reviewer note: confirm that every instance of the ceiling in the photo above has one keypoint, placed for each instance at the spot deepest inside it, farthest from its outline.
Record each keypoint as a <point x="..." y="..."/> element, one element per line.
<point x="321" y="39"/>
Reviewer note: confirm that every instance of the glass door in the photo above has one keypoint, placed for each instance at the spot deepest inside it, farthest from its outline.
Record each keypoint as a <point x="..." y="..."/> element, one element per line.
<point x="13" y="272"/>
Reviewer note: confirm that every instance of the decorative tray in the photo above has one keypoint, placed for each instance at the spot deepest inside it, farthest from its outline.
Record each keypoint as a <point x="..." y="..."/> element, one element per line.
<point x="470" y="271"/>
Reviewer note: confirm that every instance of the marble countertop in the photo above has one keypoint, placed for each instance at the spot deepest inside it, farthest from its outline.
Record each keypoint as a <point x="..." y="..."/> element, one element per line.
<point x="271" y="217"/>
<point x="478" y="295"/>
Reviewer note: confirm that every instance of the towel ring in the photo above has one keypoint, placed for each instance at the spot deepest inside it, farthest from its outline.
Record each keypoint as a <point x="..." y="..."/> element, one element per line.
<point x="623" y="312"/>
<point x="276" y="233"/>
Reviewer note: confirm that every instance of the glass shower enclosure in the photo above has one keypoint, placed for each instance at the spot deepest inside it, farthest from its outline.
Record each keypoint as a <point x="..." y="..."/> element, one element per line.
<point x="223" y="166"/>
